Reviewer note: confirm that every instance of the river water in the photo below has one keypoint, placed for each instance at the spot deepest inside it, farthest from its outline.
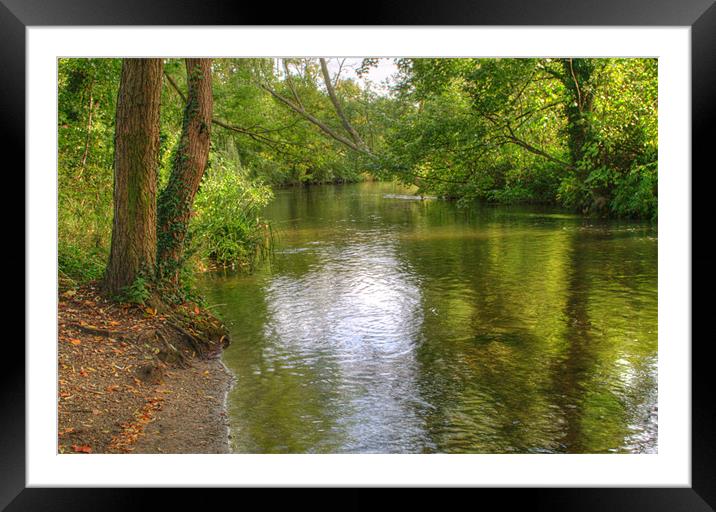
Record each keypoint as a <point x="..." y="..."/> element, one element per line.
<point x="389" y="324"/>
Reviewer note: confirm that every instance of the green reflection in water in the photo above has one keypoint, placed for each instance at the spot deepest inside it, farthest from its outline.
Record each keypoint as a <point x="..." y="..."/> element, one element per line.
<point x="391" y="325"/>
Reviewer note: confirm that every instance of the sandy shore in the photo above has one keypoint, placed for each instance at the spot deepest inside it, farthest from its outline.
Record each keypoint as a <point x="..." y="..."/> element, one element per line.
<point x="194" y="418"/>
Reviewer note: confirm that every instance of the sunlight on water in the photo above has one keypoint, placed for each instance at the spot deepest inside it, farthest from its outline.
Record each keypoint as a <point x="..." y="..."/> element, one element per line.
<point x="390" y="324"/>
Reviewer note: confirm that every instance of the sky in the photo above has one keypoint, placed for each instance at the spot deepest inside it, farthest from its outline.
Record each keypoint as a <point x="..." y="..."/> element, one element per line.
<point x="377" y="75"/>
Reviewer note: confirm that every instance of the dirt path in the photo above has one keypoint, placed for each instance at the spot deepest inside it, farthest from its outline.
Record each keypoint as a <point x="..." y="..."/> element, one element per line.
<point x="120" y="392"/>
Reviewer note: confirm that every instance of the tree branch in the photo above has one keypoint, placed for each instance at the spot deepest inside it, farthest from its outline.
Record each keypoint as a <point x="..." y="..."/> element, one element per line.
<point x="289" y="81"/>
<point x="337" y="106"/>
<point x="533" y="149"/>
<point x="258" y="137"/>
<point x="512" y="138"/>
<point x="174" y="86"/>
<point x="576" y="85"/>
<point x="317" y="122"/>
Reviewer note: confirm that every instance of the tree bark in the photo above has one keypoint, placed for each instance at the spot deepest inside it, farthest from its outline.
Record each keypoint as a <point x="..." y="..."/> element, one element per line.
<point x="136" y="146"/>
<point x="175" y="201"/>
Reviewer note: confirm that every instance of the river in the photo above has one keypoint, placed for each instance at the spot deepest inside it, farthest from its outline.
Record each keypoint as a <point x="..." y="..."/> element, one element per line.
<point x="389" y="324"/>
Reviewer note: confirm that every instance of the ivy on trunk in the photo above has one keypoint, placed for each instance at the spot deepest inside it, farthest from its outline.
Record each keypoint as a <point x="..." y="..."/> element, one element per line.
<point x="175" y="201"/>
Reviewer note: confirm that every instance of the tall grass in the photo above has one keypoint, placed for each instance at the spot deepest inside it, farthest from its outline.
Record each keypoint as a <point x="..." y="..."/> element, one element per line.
<point x="227" y="228"/>
<point x="84" y="223"/>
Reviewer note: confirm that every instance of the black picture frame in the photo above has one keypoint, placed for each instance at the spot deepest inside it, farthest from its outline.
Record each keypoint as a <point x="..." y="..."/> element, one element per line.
<point x="700" y="15"/>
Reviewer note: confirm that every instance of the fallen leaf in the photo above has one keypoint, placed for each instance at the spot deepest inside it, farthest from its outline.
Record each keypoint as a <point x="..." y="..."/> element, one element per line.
<point x="75" y="341"/>
<point x="81" y="448"/>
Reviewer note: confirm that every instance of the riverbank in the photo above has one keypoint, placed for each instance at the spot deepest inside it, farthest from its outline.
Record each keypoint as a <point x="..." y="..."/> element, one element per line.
<point x="130" y="381"/>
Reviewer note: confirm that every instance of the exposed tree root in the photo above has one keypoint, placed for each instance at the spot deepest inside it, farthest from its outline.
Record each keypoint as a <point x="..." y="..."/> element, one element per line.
<point x="120" y="365"/>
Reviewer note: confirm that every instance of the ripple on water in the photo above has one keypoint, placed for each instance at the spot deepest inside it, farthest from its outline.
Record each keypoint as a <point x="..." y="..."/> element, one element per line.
<point x="401" y="326"/>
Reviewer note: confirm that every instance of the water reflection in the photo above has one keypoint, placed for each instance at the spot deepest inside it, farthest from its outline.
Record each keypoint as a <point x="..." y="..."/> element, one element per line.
<point x="387" y="324"/>
<point x="359" y="331"/>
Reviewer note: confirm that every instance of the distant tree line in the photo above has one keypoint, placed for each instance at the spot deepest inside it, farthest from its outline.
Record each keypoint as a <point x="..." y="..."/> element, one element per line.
<point x="149" y="147"/>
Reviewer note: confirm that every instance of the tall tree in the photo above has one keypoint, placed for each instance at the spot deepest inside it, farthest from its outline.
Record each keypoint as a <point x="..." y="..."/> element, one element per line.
<point x="175" y="201"/>
<point x="136" y="145"/>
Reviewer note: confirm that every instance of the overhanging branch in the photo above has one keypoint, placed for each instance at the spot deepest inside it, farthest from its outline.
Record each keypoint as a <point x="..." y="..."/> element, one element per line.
<point x="315" y="121"/>
<point x="258" y="137"/>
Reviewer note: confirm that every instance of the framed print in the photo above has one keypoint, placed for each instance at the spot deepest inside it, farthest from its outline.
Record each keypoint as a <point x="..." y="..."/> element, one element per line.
<point x="425" y="248"/>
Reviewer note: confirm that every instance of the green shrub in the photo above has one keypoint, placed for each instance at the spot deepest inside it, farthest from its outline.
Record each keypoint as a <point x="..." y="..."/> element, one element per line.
<point x="77" y="265"/>
<point x="137" y="292"/>
<point x="636" y="192"/>
<point x="227" y="227"/>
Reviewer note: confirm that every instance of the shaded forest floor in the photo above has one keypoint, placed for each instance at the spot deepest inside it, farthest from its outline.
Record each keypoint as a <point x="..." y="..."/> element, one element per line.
<point x="130" y="383"/>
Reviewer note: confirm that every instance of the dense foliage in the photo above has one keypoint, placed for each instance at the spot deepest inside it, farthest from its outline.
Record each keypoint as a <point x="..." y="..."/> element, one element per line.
<point x="258" y="145"/>
<point x="580" y="133"/>
<point x="87" y="90"/>
<point x="228" y="228"/>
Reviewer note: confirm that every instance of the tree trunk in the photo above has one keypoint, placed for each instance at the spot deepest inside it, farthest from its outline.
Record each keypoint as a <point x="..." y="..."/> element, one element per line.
<point x="578" y="74"/>
<point x="175" y="201"/>
<point x="136" y="146"/>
